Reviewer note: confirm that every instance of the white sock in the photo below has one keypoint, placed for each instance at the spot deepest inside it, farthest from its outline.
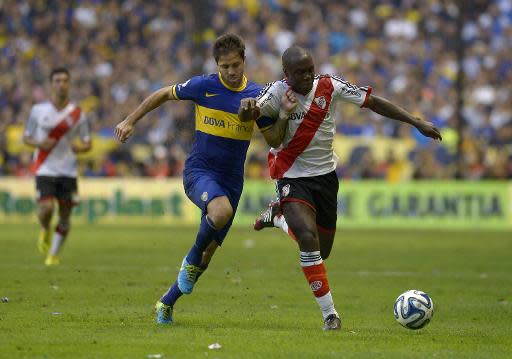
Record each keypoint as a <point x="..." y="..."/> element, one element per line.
<point x="58" y="240"/>
<point x="280" y="222"/>
<point x="326" y="305"/>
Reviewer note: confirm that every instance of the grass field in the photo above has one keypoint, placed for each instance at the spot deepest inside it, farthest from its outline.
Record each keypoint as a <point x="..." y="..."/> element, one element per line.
<point x="253" y="300"/>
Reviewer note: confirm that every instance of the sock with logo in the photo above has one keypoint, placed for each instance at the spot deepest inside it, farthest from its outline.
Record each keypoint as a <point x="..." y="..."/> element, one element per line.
<point x="316" y="275"/>
<point x="204" y="237"/>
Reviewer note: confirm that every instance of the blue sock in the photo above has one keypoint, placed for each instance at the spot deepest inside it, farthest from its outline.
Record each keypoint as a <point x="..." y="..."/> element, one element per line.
<point x="204" y="237"/>
<point x="171" y="296"/>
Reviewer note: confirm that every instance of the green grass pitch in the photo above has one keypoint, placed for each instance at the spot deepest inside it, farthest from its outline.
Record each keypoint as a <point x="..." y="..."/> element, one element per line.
<point x="253" y="300"/>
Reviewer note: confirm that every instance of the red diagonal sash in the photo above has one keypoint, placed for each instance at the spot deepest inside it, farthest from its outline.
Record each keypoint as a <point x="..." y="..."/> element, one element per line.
<point x="284" y="159"/>
<point x="56" y="133"/>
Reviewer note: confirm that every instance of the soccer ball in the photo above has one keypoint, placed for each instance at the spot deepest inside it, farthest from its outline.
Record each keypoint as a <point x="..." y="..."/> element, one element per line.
<point x="414" y="309"/>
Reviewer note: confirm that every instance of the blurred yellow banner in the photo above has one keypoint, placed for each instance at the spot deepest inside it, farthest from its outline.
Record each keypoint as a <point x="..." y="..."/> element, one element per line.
<point x="372" y="204"/>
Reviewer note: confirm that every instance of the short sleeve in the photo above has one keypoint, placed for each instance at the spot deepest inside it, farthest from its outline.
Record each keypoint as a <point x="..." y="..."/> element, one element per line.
<point x="190" y="89"/>
<point x="345" y="91"/>
<point x="269" y="101"/>
<point x="31" y="125"/>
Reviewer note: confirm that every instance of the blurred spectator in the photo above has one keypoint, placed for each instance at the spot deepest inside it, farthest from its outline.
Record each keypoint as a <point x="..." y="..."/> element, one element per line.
<point x="120" y="51"/>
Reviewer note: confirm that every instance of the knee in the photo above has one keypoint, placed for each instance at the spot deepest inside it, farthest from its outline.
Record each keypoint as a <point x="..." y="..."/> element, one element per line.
<point x="220" y="219"/>
<point x="307" y="239"/>
<point x="45" y="208"/>
<point x="220" y="215"/>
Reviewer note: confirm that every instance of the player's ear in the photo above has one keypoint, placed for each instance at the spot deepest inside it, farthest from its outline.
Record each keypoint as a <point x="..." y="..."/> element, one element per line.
<point x="285" y="73"/>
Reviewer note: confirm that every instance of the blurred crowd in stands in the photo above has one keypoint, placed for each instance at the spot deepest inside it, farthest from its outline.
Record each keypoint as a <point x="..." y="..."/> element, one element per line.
<point x="120" y="51"/>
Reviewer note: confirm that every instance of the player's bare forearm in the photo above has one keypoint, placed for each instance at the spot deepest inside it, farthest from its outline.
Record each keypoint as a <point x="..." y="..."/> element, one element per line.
<point x="274" y="135"/>
<point x="125" y="128"/>
<point x="155" y="100"/>
<point x="387" y="109"/>
<point x="44" y="145"/>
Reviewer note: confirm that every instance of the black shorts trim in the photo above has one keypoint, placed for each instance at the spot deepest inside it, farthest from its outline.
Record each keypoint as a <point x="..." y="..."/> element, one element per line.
<point x="298" y="200"/>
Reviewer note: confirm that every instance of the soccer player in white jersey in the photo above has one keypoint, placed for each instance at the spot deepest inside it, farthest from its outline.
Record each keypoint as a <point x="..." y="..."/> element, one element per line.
<point x="52" y="129"/>
<point x="303" y="162"/>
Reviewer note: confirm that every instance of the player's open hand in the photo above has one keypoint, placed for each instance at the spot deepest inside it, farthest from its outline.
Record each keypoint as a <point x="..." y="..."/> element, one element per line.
<point x="288" y="101"/>
<point x="249" y="109"/>
<point x="427" y="129"/>
<point x="124" y="130"/>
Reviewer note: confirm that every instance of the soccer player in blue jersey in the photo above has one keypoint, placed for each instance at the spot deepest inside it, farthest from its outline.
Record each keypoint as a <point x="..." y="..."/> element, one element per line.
<point x="214" y="170"/>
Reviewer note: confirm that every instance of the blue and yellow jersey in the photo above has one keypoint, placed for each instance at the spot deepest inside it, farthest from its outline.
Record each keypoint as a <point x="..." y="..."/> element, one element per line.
<point x="221" y="139"/>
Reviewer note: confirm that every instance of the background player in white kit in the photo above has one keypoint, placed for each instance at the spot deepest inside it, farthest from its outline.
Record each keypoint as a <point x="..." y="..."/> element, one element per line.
<point x="303" y="162"/>
<point x="52" y="129"/>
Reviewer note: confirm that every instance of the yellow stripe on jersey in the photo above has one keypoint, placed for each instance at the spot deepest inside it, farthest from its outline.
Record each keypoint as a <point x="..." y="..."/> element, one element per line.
<point x="223" y="124"/>
<point x="174" y="92"/>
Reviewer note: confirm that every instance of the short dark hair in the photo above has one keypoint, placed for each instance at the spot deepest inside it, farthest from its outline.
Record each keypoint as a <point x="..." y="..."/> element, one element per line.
<point x="59" y="70"/>
<point x="292" y="54"/>
<point x="228" y="43"/>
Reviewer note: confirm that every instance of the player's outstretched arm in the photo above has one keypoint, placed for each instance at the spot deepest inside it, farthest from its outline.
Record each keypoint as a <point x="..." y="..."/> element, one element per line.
<point x="387" y="109"/>
<point x="125" y="128"/>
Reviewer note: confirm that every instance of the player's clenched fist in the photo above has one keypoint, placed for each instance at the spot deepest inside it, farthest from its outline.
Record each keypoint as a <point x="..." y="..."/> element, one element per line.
<point x="288" y="101"/>
<point x="249" y="109"/>
<point x="124" y="130"/>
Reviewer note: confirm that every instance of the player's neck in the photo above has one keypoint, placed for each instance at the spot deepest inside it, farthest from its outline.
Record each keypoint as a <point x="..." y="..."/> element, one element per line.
<point x="59" y="104"/>
<point x="234" y="87"/>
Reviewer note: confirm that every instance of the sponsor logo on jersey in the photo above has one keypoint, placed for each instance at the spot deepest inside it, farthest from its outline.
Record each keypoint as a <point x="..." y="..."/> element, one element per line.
<point x="204" y="197"/>
<point x="285" y="191"/>
<point x="316" y="285"/>
<point x="321" y="102"/>
<point x="207" y="94"/>
<point x="297" y="116"/>
<point x="214" y="122"/>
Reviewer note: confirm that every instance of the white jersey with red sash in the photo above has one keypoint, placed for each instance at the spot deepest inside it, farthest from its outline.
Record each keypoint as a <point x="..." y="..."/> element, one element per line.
<point x="64" y="125"/>
<point x="307" y="148"/>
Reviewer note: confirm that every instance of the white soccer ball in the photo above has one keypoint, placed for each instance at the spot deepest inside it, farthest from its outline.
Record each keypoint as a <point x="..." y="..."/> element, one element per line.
<point x="414" y="309"/>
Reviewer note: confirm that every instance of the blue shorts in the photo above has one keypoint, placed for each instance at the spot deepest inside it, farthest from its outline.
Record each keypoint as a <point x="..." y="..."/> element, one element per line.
<point x="202" y="186"/>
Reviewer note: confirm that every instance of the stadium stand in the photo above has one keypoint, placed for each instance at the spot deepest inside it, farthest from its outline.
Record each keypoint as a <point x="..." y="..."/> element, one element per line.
<point x="120" y="51"/>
